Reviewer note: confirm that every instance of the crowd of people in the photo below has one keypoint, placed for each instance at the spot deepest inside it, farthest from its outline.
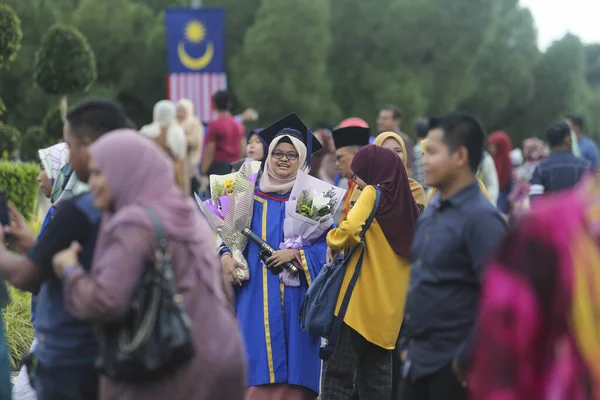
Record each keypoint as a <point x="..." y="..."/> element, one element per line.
<point x="478" y="278"/>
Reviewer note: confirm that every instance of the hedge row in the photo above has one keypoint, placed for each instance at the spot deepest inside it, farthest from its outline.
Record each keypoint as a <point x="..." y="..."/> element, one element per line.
<point x="19" y="180"/>
<point x="19" y="329"/>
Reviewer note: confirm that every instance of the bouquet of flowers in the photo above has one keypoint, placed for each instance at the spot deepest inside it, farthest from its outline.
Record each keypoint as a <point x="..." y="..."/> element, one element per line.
<point x="229" y="210"/>
<point x="309" y="211"/>
<point x="222" y="186"/>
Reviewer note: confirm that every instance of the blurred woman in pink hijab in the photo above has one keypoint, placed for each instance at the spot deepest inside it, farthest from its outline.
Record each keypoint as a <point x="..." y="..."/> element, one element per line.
<point x="126" y="246"/>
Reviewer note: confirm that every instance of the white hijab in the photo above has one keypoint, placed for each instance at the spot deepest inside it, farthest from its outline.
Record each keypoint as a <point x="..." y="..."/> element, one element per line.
<point x="164" y="115"/>
<point x="53" y="158"/>
<point x="270" y="182"/>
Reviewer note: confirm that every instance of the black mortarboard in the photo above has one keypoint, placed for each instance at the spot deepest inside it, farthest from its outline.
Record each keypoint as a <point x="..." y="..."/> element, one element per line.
<point x="351" y="136"/>
<point x="293" y="126"/>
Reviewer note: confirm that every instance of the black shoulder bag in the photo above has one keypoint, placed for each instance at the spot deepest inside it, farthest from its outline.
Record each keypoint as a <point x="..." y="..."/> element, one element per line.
<point x="156" y="336"/>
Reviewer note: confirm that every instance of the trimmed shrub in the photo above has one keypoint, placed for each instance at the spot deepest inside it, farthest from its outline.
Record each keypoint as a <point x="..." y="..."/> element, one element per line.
<point x="19" y="330"/>
<point x="9" y="141"/>
<point x="65" y="63"/>
<point x="19" y="180"/>
<point x="52" y="124"/>
<point x="33" y="140"/>
<point x="10" y="34"/>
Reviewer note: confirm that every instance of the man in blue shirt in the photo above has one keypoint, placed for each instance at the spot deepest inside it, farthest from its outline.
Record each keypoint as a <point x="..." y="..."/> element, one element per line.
<point x="453" y="239"/>
<point x="588" y="148"/>
<point x="561" y="170"/>
<point x="66" y="348"/>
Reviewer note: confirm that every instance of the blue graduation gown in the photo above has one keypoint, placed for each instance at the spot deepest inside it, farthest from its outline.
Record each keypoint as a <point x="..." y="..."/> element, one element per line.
<point x="268" y="312"/>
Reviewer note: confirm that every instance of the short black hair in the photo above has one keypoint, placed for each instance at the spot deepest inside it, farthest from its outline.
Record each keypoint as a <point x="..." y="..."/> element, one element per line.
<point x="396" y="111"/>
<point x="557" y="133"/>
<point x="462" y="129"/>
<point x="222" y="100"/>
<point x="576" y="120"/>
<point x="422" y="127"/>
<point x="94" y="117"/>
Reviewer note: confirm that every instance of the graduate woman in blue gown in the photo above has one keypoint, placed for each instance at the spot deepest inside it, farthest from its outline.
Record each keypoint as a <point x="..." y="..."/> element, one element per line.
<point x="283" y="361"/>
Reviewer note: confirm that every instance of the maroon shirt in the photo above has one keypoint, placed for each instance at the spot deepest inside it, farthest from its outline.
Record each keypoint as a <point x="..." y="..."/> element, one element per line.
<point x="227" y="133"/>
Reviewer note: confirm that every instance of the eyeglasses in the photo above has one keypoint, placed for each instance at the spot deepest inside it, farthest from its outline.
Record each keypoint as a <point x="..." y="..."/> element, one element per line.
<point x="290" y="155"/>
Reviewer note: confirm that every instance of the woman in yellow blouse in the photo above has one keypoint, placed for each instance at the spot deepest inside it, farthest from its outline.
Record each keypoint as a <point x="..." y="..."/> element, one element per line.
<point x="481" y="185"/>
<point x="394" y="142"/>
<point x="363" y="351"/>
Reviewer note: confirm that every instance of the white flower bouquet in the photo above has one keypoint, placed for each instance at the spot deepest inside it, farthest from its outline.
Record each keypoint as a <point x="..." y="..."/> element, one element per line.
<point x="309" y="211"/>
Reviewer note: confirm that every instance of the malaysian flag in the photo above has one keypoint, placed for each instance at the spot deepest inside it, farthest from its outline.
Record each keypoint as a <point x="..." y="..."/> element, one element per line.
<point x="196" y="56"/>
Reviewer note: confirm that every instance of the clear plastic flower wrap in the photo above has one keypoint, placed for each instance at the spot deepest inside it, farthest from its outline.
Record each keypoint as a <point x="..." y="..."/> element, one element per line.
<point x="309" y="211"/>
<point x="229" y="211"/>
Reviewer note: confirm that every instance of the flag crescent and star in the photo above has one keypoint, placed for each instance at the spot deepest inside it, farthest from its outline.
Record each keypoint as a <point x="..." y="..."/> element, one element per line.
<point x="195" y="33"/>
<point x="195" y="39"/>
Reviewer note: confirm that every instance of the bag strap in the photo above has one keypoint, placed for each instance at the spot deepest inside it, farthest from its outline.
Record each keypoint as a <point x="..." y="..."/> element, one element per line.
<point x="336" y="325"/>
<point x="373" y="212"/>
<point x="159" y="230"/>
<point x="349" y="251"/>
<point x="162" y="257"/>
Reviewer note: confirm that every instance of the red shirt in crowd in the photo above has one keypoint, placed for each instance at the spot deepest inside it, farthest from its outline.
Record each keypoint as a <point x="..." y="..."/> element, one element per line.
<point x="227" y="134"/>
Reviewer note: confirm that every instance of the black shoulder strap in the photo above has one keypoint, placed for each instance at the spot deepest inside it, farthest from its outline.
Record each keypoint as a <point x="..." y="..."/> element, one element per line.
<point x="373" y="212"/>
<point x="159" y="230"/>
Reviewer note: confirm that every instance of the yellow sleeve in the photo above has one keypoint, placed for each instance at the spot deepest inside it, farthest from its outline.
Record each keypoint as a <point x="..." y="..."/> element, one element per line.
<point x="482" y="188"/>
<point x="431" y="195"/>
<point x="348" y="233"/>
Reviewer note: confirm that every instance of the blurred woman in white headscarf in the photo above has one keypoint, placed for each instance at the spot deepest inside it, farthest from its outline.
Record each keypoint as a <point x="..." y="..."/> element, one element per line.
<point x="165" y="131"/>
<point x="194" y="132"/>
<point x="53" y="159"/>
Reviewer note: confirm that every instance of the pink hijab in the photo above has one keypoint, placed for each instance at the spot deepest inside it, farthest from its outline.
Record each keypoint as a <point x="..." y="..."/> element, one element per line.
<point x="139" y="174"/>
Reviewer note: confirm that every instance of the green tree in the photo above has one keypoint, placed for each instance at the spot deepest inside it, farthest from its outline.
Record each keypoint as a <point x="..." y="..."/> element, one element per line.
<point x="159" y="6"/>
<point x="33" y="140"/>
<point x="52" y="125"/>
<point x="401" y="52"/>
<point x="442" y="42"/>
<point x="65" y="63"/>
<point x="560" y="86"/>
<point x="10" y="38"/>
<point x="239" y="17"/>
<point x="9" y="140"/>
<point x="354" y="54"/>
<point x="26" y="103"/>
<point x="10" y="34"/>
<point x="293" y="78"/>
<point x="592" y="58"/>
<point x="504" y="73"/>
<point x="137" y="80"/>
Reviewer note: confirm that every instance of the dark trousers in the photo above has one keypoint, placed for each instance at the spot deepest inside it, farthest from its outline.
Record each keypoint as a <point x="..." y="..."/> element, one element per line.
<point x="355" y="361"/>
<point x="396" y="372"/>
<point x="66" y="383"/>
<point x="442" y="385"/>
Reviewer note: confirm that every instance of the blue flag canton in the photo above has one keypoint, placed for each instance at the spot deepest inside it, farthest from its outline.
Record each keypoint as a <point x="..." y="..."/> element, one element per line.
<point x="195" y="40"/>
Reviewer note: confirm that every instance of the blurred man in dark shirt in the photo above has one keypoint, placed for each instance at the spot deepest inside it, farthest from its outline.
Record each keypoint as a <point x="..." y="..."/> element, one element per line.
<point x="561" y="170"/>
